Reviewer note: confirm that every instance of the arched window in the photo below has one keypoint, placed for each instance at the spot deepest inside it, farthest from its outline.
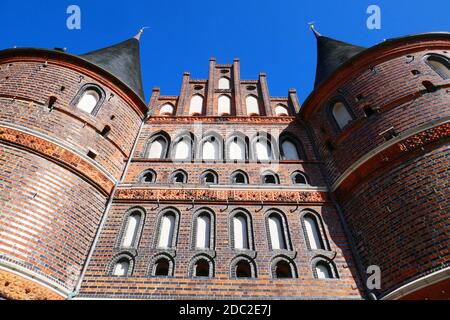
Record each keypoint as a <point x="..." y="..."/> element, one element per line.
<point x="241" y="232"/>
<point x="289" y="150"/>
<point x="183" y="148"/>
<point x="313" y="234"/>
<point x="341" y="114"/>
<point x="224" y="106"/>
<point x="237" y="149"/>
<point x="209" y="177"/>
<point x="283" y="270"/>
<point x="243" y="269"/>
<point x="252" y="106"/>
<point x="210" y="148"/>
<point x="276" y="231"/>
<point x="203" y="231"/>
<point x="196" y="107"/>
<point x="121" y="268"/>
<point x="148" y="176"/>
<point x="239" y="177"/>
<point x="179" y="176"/>
<point x="162" y="267"/>
<point x="167" y="230"/>
<point x="224" y="83"/>
<point x="166" y="110"/>
<point x="299" y="178"/>
<point x="323" y="270"/>
<point x="263" y="149"/>
<point x="270" y="178"/>
<point x="89" y="99"/>
<point x="281" y="111"/>
<point x="201" y="268"/>
<point x="440" y="64"/>
<point x="130" y="237"/>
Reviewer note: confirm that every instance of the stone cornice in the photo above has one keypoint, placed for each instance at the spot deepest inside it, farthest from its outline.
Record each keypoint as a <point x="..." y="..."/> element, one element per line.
<point x="220" y="196"/>
<point x="59" y="155"/>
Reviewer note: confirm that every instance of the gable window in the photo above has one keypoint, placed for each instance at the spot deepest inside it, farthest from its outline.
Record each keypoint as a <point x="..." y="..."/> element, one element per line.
<point x="224" y="83"/>
<point x="440" y="64"/>
<point x="166" y="110"/>
<point x="281" y="111"/>
<point x="252" y="106"/>
<point x="224" y="106"/>
<point x="196" y="106"/>
<point x="341" y="114"/>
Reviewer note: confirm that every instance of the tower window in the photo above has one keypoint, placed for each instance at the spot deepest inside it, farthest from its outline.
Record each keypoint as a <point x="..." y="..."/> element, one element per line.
<point x="237" y="149"/>
<point x="210" y="149"/>
<point x="263" y="149"/>
<point x="289" y="148"/>
<point x="440" y="64"/>
<point x="89" y="98"/>
<point x="166" y="110"/>
<point x="281" y="111"/>
<point x="203" y="231"/>
<point x="224" y="83"/>
<point x="243" y="269"/>
<point x="224" y="103"/>
<point x="121" y="268"/>
<point x="201" y="268"/>
<point x="196" y="107"/>
<point x="162" y="267"/>
<point x="341" y="114"/>
<point x="183" y="148"/>
<point x="283" y="270"/>
<point x="252" y="106"/>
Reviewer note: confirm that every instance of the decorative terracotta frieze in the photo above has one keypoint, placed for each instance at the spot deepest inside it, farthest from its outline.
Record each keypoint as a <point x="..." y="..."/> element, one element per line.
<point x="249" y="120"/>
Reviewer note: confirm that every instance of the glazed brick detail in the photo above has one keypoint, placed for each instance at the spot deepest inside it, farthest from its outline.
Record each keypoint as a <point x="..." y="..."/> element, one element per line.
<point x="48" y="216"/>
<point x="25" y="89"/>
<point x="182" y="286"/>
<point x="410" y="237"/>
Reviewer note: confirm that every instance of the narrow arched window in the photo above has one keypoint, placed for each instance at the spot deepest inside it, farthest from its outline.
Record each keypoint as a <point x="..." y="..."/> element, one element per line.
<point x="299" y="178"/>
<point x="281" y="111"/>
<point x="166" y="110"/>
<point x="196" y="107"/>
<point x="179" y="177"/>
<point x="341" y="114"/>
<point x="183" y="149"/>
<point x="132" y="229"/>
<point x="88" y="101"/>
<point x="203" y="231"/>
<point x="210" y="149"/>
<point x="121" y="268"/>
<point x="224" y="106"/>
<point x="157" y="148"/>
<point x="162" y="267"/>
<point x="236" y="149"/>
<point x="276" y="230"/>
<point x="201" y="268"/>
<point x="270" y="178"/>
<point x="240" y="232"/>
<point x="252" y="106"/>
<point x="289" y="150"/>
<point x="263" y="149"/>
<point x="167" y="230"/>
<point x="149" y="176"/>
<point x="283" y="270"/>
<point x="323" y="270"/>
<point x="209" y="177"/>
<point x="313" y="234"/>
<point x="224" y="83"/>
<point x="239" y="177"/>
<point x="243" y="269"/>
<point x="440" y="64"/>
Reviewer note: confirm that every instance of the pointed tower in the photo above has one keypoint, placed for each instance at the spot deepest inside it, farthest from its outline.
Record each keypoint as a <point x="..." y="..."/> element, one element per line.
<point x="122" y="61"/>
<point x="331" y="54"/>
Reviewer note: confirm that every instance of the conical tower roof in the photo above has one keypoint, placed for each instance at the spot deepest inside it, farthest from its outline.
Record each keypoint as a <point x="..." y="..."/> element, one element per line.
<point x="122" y="61"/>
<point x="331" y="54"/>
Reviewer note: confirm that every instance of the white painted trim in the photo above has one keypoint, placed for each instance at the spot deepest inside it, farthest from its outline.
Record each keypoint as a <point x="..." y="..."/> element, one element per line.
<point x="384" y="146"/>
<point x="61" y="144"/>
<point x="418" y="284"/>
<point x="35" y="277"/>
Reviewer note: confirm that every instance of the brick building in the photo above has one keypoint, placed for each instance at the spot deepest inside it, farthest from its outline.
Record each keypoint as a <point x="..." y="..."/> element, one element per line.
<point x="225" y="192"/>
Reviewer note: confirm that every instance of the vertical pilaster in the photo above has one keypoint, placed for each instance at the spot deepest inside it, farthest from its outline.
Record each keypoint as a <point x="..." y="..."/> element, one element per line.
<point x="265" y="94"/>
<point x="211" y="87"/>
<point x="183" y="100"/>
<point x="237" y="87"/>
<point x="293" y="100"/>
<point x="153" y="104"/>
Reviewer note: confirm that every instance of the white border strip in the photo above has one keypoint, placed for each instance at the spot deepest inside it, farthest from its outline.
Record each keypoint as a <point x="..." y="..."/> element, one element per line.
<point x="418" y="284"/>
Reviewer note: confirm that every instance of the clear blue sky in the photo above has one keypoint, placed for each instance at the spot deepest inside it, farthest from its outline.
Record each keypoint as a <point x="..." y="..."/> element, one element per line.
<point x="267" y="35"/>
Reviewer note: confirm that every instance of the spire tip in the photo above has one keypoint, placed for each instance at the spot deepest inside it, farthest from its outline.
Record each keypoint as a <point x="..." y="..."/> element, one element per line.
<point x="139" y="34"/>
<point x="313" y="29"/>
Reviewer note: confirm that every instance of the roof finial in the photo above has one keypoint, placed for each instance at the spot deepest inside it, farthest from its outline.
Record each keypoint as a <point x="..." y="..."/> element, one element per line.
<point x="139" y="34"/>
<point x="313" y="29"/>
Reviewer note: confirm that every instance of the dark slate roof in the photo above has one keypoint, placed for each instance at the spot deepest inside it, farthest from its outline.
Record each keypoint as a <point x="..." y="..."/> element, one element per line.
<point x="122" y="61"/>
<point x="331" y="54"/>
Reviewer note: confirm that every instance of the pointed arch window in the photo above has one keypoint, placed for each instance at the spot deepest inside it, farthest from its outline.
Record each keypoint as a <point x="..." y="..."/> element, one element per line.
<point x="224" y="105"/>
<point x="281" y="111"/>
<point x="313" y="234"/>
<point x="89" y="99"/>
<point x="211" y="148"/>
<point x="132" y="228"/>
<point x="179" y="176"/>
<point x="167" y="230"/>
<point x="183" y="148"/>
<point x="224" y="83"/>
<point x="148" y="176"/>
<point x="157" y="146"/>
<point x="440" y="64"/>
<point x="263" y="148"/>
<point x="341" y="114"/>
<point x="196" y="106"/>
<point x="237" y="148"/>
<point x="276" y="232"/>
<point x="252" y="105"/>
